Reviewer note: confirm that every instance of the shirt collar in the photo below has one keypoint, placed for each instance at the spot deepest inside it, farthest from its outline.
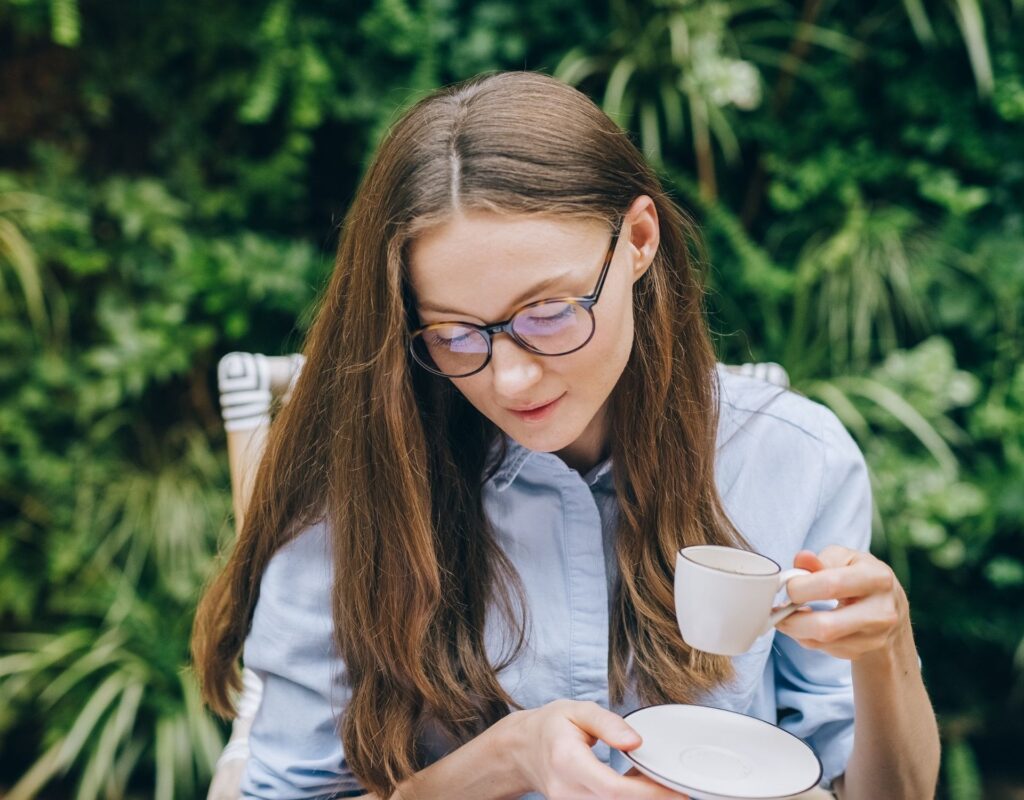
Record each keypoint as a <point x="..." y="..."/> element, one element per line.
<point x="601" y="473"/>
<point x="730" y="420"/>
<point x="517" y="455"/>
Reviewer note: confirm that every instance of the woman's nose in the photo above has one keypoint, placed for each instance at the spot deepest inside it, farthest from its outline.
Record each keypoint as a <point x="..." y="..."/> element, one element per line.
<point x="514" y="369"/>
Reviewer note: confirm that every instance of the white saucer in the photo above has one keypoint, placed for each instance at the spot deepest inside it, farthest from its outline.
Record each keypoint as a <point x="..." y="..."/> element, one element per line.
<point x="711" y="754"/>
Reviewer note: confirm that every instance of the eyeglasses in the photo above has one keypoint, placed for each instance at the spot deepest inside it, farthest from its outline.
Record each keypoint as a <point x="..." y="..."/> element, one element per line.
<point x="554" y="327"/>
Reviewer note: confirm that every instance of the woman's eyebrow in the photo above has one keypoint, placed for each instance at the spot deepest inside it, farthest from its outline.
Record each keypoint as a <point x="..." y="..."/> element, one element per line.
<point x="516" y="302"/>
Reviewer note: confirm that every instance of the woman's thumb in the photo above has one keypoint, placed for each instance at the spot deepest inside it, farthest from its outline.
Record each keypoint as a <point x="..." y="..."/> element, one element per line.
<point x="808" y="560"/>
<point x="606" y="725"/>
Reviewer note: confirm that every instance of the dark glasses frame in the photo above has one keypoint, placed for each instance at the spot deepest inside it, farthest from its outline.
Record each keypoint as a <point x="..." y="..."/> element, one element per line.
<point x="587" y="303"/>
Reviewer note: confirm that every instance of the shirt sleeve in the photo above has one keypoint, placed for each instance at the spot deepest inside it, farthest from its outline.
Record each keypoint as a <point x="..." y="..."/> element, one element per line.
<point x="814" y="690"/>
<point x="294" y="744"/>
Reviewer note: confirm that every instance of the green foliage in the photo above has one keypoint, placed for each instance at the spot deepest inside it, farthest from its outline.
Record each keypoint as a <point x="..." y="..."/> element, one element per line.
<point x="666" y="63"/>
<point x="169" y="192"/>
<point x="114" y="496"/>
<point x="962" y="774"/>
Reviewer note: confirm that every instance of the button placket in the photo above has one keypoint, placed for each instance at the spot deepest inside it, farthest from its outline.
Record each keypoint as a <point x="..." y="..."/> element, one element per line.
<point x="588" y="596"/>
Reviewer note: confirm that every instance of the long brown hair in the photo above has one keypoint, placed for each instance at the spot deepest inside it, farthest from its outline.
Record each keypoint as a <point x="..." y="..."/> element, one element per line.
<point x="393" y="458"/>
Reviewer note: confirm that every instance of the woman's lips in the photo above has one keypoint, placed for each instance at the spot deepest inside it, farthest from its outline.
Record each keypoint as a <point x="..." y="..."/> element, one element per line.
<point x="539" y="413"/>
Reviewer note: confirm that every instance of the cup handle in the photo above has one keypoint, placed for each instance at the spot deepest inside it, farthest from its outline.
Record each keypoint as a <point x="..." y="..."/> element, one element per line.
<point x="782" y="612"/>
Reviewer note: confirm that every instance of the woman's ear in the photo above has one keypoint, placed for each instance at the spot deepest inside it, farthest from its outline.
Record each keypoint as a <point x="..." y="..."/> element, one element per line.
<point x="643" y="233"/>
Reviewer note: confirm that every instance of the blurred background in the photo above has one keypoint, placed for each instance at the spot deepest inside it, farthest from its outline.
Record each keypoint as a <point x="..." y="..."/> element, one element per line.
<point x="172" y="176"/>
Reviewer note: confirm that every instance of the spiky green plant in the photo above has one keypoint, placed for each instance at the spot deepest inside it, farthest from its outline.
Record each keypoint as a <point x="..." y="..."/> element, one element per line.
<point x="667" y="63"/>
<point x="18" y="257"/>
<point x="109" y="684"/>
<point x="855" y="288"/>
<point x="970" y="19"/>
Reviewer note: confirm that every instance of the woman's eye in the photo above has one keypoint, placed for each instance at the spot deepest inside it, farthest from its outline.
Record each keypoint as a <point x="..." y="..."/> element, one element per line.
<point x="444" y="341"/>
<point x="447" y="341"/>
<point x="547" y="319"/>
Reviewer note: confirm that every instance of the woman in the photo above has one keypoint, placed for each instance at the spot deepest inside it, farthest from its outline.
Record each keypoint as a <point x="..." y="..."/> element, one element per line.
<point x="456" y="570"/>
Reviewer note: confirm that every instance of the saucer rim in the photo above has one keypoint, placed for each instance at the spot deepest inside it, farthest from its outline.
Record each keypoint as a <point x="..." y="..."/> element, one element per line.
<point x="685" y="787"/>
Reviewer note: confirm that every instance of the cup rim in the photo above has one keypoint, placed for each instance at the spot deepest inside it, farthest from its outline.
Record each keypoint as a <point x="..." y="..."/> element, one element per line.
<point x="682" y="554"/>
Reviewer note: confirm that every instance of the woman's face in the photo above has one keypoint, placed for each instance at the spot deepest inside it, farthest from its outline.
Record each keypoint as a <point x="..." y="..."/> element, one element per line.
<point x="481" y="267"/>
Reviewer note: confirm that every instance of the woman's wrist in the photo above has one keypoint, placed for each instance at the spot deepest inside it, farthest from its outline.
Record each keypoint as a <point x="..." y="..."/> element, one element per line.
<point x="899" y="654"/>
<point x="896" y="741"/>
<point x="505" y="744"/>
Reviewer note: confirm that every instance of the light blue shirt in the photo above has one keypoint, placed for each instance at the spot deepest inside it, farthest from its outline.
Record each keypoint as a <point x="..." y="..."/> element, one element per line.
<point x="790" y="478"/>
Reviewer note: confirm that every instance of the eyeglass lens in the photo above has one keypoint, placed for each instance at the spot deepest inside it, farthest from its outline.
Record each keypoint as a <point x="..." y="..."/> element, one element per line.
<point x="551" y="327"/>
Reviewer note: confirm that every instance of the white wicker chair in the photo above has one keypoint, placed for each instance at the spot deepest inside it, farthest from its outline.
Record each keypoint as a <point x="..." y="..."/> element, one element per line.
<point x="249" y="384"/>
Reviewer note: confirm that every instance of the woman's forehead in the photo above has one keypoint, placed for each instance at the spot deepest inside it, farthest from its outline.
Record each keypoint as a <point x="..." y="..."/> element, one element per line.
<point x="482" y="261"/>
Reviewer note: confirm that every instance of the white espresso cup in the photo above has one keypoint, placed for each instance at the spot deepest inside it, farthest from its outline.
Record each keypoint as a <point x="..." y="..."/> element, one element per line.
<point x="724" y="597"/>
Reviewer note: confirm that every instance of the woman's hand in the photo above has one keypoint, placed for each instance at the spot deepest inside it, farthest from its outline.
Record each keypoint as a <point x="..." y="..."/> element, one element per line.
<point x="872" y="611"/>
<point x="551" y="749"/>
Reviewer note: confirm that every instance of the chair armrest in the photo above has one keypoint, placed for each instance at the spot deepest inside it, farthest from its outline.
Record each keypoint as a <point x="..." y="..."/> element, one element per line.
<point x="230" y="767"/>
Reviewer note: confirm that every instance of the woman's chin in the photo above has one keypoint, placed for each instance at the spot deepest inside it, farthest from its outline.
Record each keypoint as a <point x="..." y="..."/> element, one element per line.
<point x="542" y="441"/>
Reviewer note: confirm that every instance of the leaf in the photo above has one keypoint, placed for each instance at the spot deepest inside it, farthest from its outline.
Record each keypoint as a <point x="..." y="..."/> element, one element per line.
<point x="679" y="38"/>
<point x="164" y="759"/>
<point x="16" y="250"/>
<point x="65" y="23"/>
<point x="815" y="34"/>
<point x="184" y="763"/>
<point x="649" y="136"/>
<point x="724" y="134"/>
<point x="98" y="657"/>
<point x="575" y="67"/>
<point x="919" y="21"/>
<point x="37" y="776"/>
<point x="615" y="91"/>
<point x="962" y="775"/>
<point x="909" y="416"/>
<point x="117" y="778"/>
<point x="207" y="742"/>
<point x="1005" y="572"/>
<point x="972" y="27"/>
<point x="99" y="701"/>
<point x="263" y="95"/>
<point x="117" y="728"/>
<point x="672" y="108"/>
<point x="44" y="650"/>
